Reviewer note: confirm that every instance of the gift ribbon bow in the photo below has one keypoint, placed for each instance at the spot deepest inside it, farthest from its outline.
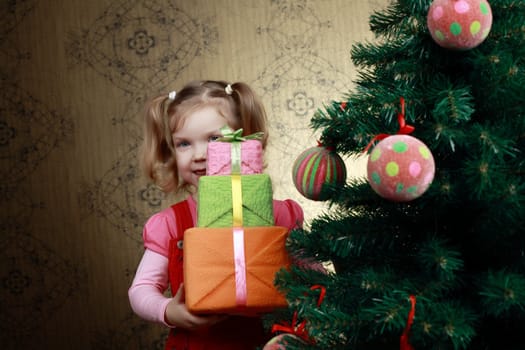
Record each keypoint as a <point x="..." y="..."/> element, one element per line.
<point x="404" y="128"/>
<point x="404" y="344"/>
<point x="299" y="330"/>
<point x="230" y="135"/>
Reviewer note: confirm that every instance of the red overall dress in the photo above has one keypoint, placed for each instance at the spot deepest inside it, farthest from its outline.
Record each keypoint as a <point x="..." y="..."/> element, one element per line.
<point x="235" y="333"/>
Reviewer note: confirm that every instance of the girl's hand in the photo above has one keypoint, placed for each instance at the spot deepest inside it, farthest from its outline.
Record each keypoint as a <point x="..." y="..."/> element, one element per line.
<point x="179" y="316"/>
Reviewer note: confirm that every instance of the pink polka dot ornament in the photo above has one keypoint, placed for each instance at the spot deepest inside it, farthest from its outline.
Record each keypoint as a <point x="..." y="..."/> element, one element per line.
<point x="459" y="24"/>
<point x="400" y="168"/>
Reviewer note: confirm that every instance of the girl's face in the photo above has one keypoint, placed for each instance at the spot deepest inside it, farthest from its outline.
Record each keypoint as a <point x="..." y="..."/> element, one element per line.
<point x="191" y="142"/>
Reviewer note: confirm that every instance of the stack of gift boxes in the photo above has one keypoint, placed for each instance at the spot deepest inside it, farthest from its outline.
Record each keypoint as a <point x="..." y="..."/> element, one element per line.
<point x="231" y="257"/>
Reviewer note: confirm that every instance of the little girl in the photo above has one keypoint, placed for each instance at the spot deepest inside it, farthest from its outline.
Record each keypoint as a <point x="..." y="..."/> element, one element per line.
<point x="178" y="127"/>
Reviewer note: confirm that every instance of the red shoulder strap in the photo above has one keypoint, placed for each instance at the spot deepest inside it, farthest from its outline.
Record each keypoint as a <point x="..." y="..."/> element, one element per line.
<point x="183" y="221"/>
<point x="182" y="216"/>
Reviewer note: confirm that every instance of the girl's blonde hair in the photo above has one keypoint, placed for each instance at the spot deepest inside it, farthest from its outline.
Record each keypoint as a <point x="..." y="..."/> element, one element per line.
<point x="164" y="115"/>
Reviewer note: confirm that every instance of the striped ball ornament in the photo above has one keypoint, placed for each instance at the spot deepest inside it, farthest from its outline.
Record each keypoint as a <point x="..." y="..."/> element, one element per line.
<point x="316" y="167"/>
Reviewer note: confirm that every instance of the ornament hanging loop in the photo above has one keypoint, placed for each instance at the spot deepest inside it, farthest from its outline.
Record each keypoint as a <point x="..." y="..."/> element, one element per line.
<point x="404" y="128"/>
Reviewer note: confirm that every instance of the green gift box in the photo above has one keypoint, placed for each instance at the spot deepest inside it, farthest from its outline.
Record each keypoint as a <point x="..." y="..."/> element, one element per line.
<point x="235" y="200"/>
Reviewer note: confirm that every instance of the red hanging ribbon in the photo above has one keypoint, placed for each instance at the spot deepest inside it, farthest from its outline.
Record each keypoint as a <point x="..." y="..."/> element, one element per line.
<point x="299" y="330"/>
<point x="328" y="148"/>
<point x="404" y="344"/>
<point x="404" y="128"/>
<point x="296" y="329"/>
<point x="321" y="294"/>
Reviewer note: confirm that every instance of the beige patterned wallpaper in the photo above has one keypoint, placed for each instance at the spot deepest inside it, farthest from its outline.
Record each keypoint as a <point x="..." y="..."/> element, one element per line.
<point x="75" y="75"/>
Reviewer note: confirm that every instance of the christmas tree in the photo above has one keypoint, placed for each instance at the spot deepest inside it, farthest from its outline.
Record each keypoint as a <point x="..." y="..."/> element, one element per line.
<point x="446" y="268"/>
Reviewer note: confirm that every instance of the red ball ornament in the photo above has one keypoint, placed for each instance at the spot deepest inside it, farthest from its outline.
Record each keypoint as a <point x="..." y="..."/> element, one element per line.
<point x="400" y="168"/>
<point x="459" y="24"/>
<point x="280" y="341"/>
<point x="316" y="167"/>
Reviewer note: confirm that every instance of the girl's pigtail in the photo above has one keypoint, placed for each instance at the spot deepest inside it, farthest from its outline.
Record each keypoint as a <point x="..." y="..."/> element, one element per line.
<point x="251" y="110"/>
<point x="157" y="148"/>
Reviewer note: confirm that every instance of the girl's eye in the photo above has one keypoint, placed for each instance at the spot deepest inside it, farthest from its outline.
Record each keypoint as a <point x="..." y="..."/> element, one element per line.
<point x="214" y="138"/>
<point x="182" y="144"/>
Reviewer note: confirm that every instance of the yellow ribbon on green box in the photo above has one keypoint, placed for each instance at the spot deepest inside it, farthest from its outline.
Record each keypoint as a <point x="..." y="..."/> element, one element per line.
<point x="237" y="200"/>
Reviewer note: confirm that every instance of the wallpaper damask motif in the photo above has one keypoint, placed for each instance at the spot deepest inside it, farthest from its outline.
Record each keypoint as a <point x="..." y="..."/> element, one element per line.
<point x="75" y="75"/>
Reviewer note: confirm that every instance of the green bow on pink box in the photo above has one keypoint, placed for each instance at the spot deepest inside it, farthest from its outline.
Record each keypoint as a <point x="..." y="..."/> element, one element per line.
<point x="230" y="135"/>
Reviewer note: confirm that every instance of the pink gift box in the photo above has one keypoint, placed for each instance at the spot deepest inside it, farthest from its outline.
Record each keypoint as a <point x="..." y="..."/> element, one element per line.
<point x="220" y="157"/>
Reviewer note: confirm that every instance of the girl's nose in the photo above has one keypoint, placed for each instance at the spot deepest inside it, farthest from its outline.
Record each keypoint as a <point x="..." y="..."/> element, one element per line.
<point x="200" y="152"/>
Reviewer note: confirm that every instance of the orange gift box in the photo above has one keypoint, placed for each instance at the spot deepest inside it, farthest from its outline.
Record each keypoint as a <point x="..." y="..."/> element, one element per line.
<point x="232" y="270"/>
